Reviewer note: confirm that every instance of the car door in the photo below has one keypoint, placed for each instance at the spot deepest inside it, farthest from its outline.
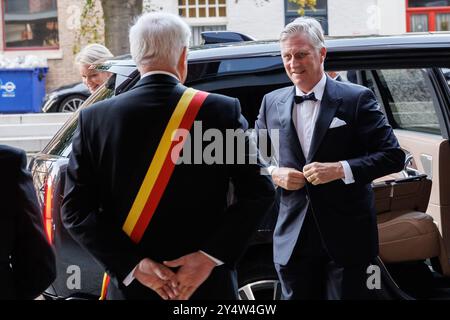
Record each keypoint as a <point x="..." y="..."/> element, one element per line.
<point x="416" y="103"/>
<point x="247" y="78"/>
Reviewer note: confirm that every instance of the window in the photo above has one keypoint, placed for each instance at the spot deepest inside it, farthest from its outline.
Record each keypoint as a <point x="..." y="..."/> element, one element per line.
<point x="321" y="5"/>
<point x="426" y="15"/>
<point x="428" y="3"/>
<point x="407" y="96"/>
<point x="320" y="13"/>
<point x="419" y="23"/>
<point x="225" y="67"/>
<point x="30" y="24"/>
<point x="202" y="8"/>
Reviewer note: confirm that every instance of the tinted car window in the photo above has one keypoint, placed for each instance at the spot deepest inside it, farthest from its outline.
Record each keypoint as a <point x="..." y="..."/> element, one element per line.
<point x="408" y="97"/>
<point x="248" y="64"/>
<point x="202" y="70"/>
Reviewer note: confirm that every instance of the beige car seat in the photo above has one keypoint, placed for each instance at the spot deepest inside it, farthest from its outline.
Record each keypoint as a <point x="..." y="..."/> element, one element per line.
<point x="405" y="231"/>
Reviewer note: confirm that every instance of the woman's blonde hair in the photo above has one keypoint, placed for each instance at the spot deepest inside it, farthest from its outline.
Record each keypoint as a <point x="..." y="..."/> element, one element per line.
<point x="92" y="54"/>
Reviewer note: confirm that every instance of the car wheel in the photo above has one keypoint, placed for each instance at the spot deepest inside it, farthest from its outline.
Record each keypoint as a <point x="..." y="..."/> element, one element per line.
<point x="268" y="289"/>
<point x="71" y="103"/>
<point x="259" y="284"/>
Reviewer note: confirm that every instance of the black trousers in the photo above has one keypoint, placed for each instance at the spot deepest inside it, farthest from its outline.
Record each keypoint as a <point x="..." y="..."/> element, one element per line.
<point x="312" y="275"/>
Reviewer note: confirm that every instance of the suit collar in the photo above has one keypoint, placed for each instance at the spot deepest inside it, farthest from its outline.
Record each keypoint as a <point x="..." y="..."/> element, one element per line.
<point x="157" y="78"/>
<point x="330" y="102"/>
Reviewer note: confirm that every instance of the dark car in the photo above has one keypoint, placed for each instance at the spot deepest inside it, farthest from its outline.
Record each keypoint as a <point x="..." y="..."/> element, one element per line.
<point x="403" y="71"/>
<point x="66" y="98"/>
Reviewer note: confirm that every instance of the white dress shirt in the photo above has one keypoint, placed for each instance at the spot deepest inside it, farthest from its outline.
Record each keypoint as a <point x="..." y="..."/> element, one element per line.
<point x="304" y="116"/>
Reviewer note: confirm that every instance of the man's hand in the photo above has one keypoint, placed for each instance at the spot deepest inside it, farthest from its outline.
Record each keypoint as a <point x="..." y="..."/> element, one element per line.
<point x="157" y="277"/>
<point x="320" y="173"/>
<point x="195" y="268"/>
<point x="288" y="178"/>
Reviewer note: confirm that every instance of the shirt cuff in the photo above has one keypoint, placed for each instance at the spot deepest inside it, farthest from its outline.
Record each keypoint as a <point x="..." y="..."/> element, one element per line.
<point x="348" y="174"/>
<point x="129" y="279"/>
<point x="217" y="261"/>
<point x="270" y="169"/>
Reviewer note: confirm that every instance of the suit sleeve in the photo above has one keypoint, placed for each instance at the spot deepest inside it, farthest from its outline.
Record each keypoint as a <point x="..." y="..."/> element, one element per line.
<point x="254" y="197"/>
<point x="33" y="258"/>
<point x="87" y="222"/>
<point x="262" y="139"/>
<point x="384" y="155"/>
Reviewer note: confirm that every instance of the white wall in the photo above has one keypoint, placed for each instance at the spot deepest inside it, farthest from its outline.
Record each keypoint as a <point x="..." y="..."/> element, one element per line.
<point x="257" y="18"/>
<point x="393" y="16"/>
<point x="170" y="6"/>
<point x="364" y="17"/>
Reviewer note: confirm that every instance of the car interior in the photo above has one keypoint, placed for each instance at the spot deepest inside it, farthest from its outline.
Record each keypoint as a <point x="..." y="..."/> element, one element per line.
<point x="412" y="206"/>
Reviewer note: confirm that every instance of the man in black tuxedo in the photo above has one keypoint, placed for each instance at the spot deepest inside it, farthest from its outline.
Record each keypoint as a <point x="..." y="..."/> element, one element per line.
<point x="27" y="261"/>
<point x="333" y="141"/>
<point x="192" y="228"/>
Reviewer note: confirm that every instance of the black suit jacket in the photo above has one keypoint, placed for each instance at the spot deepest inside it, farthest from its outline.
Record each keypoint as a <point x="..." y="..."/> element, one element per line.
<point x="27" y="261"/>
<point x="112" y="150"/>
<point x="345" y="213"/>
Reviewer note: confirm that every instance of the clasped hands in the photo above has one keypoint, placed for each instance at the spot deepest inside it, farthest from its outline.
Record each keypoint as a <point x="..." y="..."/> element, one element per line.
<point x="194" y="269"/>
<point x="315" y="173"/>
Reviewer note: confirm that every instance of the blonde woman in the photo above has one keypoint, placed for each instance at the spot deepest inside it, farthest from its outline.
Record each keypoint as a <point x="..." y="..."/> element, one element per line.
<point x="90" y="55"/>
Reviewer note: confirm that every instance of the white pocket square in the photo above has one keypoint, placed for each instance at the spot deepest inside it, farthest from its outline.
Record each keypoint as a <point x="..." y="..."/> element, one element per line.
<point x="337" y="123"/>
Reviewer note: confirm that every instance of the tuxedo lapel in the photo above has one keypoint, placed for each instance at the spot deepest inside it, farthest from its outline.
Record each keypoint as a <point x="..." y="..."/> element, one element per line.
<point x="328" y="106"/>
<point x="284" y="108"/>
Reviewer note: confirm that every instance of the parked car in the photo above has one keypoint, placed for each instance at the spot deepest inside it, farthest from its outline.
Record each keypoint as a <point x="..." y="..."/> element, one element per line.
<point x="403" y="71"/>
<point x="66" y="98"/>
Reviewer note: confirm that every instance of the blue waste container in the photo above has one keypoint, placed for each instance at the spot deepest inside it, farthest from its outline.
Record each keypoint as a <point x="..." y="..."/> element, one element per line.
<point x="22" y="90"/>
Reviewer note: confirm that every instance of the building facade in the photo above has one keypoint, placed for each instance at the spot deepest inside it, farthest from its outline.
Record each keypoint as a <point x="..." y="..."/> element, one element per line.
<point x="427" y="15"/>
<point x="366" y="17"/>
<point x="260" y="19"/>
<point x="46" y="29"/>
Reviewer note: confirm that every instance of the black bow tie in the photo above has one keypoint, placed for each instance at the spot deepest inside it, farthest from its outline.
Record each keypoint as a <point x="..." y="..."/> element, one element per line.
<point x="300" y="99"/>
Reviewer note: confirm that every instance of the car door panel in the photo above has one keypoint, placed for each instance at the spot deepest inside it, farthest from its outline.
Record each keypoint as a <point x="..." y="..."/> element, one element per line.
<point x="413" y="103"/>
<point x="429" y="145"/>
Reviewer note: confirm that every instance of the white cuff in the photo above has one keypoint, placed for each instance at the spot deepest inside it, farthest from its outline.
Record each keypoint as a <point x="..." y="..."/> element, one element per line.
<point x="348" y="174"/>
<point x="129" y="279"/>
<point x="270" y="169"/>
<point x="217" y="261"/>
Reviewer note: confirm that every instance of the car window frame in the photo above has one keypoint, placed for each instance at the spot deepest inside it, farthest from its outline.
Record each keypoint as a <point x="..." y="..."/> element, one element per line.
<point x="437" y="101"/>
<point x="443" y="88"/>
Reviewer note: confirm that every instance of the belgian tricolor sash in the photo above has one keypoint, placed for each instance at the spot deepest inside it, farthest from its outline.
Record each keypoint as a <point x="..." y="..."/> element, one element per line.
<point x="160" y="169"/>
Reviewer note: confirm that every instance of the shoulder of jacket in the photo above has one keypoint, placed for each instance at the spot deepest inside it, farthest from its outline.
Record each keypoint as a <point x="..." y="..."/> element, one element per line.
<point x="11" y="158"/>
<point x="278" y="95"/>
<point x="220" y="97"/>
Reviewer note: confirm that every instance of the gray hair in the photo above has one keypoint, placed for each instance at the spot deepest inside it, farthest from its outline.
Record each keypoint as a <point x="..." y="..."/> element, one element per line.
<point x="158" y="38"/>
<point x="92" y="54"/>
<point x="308" y="26"/>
